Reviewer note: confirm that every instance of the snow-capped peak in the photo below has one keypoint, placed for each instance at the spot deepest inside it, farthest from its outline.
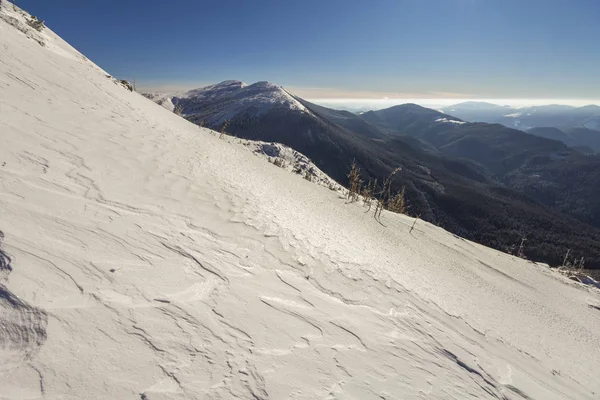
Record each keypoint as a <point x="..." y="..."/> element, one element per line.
<point x="261" y="93"/>
<point x="269" y="94"/>
<point x="228" y="99"/>
<point x="265" y="84"/>
<point x="216" y="89"/>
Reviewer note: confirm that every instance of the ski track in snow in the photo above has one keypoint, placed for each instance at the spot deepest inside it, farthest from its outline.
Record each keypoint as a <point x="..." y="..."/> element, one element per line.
<point x="170" y="264"/>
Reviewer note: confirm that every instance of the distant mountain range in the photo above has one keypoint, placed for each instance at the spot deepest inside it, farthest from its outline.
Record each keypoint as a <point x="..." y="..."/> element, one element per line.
<point x="577" y="127"/>
<point x="485" y="182"/>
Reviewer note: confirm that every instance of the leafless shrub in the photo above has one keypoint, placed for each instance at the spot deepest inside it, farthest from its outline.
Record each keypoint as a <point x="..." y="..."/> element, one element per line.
<point x="355" y="183"/>
<point x="566" y="260"/>
<point x="368" y="193"/>
<point x="385" y="194"/>
<point x="575" y="265"/>
<point x="397" y="203"/>
<point x="574" y="270"/>
<point x="224" y="129"/>
<point x="414" y="223"/>
<point x="521" y="252"/>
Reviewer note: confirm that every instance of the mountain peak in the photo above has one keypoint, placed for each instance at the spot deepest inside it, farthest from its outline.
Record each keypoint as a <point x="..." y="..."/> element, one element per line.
<point x="230" y="84"/>
<point x="228" y="99"/>
<point x="265" y="84"/>
<point x="222" y="87"/>
<point x="475" y="105"/>
<point x="411" y="108"/>
<point x="589" y="107"/>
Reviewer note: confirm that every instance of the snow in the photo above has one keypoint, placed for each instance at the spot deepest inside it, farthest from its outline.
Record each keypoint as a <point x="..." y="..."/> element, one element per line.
<point x="232" y="98"/>
<point x="153" y="260"/>
<point x="290" y="160"/>
<point x="450" y="121"/>
<point x="268" y="95"/>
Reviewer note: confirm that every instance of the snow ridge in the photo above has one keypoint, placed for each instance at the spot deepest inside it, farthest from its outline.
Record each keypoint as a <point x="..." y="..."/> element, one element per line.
<point x="291" y="160"/>
<point x="172" y="264"/>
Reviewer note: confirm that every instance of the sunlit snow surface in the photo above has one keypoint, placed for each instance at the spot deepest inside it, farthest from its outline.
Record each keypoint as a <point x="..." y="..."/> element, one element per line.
<point x="153" y="260"/>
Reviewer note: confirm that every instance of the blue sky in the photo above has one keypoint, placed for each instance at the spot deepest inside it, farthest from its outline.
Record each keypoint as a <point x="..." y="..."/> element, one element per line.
<point x="352" y="49"/>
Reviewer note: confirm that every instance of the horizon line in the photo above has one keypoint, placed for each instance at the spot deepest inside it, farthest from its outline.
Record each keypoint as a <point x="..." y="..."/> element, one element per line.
<point x="365" y="98"/>
<point x="441" y="101"/>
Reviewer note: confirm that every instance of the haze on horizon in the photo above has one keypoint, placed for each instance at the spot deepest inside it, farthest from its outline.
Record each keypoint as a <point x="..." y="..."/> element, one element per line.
<point x="363" y="104"/>
<point x="431" y="52"/>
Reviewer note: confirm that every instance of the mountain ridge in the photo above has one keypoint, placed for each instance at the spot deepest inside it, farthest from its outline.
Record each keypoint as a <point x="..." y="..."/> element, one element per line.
<point x="173" y="264"/>
<point x="545" y="169"/>
<point x="433" y="149"/>
<point x="533" y="118"/>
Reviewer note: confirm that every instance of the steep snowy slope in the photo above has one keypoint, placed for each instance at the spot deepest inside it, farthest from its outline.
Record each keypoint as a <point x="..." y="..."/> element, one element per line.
<point x="151" y="260"/>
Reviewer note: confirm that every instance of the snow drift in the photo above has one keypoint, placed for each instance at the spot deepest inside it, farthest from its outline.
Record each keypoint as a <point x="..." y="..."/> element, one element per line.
<point x="150" y="259"/>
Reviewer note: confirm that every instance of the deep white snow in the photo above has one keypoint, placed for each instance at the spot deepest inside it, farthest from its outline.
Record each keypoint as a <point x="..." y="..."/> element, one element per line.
<point x="153" y="260"/>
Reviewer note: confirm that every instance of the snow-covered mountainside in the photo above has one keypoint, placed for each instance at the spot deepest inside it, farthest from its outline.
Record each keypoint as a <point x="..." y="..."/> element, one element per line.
<point x="291" y="160"/>
<point x="226" y="100"/>
<point x="145" y="258"/>
<point x="256" y="99"/>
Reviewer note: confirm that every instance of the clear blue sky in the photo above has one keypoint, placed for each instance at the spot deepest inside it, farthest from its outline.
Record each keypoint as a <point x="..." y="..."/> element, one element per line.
<point x="481" y="48"/>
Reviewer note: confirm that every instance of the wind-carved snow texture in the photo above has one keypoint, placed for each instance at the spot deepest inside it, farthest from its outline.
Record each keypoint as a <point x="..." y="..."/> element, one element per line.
<point x="22" y="327"/>
<point x="172" y="264"/>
